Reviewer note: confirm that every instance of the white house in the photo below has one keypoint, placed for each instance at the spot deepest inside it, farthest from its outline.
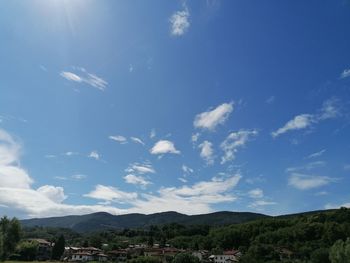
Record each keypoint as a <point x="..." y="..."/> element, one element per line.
<point x="226" y="257"/>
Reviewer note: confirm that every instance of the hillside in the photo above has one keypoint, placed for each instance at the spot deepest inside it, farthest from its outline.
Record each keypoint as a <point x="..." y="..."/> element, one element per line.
<point x="102" y="220"/>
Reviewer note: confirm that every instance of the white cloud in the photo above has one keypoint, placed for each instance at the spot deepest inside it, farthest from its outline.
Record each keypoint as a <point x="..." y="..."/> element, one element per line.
<point x="14" y="177"/>
<point x="94" y="155"/>
<point x="184" y="180"/>
<point x="86" y="77"/>
<point x="259" y="203"/>
<point x="140" y="168"/>
<point x="164" y="146"/>
<point x="70" y="153"/>
<point x="299" y="122"/>
<point x="316" y="154"/>
<point x="180" y="22"/>
<point x="256" y="193"/>
<point x="195" y="137"/>
<point x="207" y="152"/>
<point x="233" y="142"/>
<point x="307" y="167"/>
<point x="152" y="133"/>
<point x="118" y="138"/>
<point x="195" y="199"/>
<point x="137" y="140"/>
<point x="78" y="176"/>
<point x="71" y="76"/>
<point x="137" y="180"/>
<point x="329" y="110"/>
<point x="109" y="193"/>
<point x="186" y="169"/>
<point x="345" y="73"/>
<point x="56" y="194"/>
<point x="306" y="182"/>
<point x="210" y="119"/>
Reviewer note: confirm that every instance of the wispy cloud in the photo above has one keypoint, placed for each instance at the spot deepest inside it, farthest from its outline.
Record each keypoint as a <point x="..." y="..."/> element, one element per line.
<point x="330" y="109"/>
<point x="118" y="138"/>
<point x="316" y="154"/>
<point x="345" y="73"/>
<point x="261" y="203"/>
<point x="211" y="119"/>
<point x="152" y="133"/>
<point x="78" y="176"/>
<point x="306" y="182"/>
<point x="207" y="152"/>
<point x="186" y="169"/>
<point x="136" y="180"/>
<point x="163" y="147"/>
<point x="140" y="168"/>
<point x="233" y="142"/>
<point x="82" y="76"/>
<point x="180" y="22"/>
<point x="113" y="194"/>
<point x="95" y="155"/>
<point x="256" y="193"/>
<point x="137" y="140"/>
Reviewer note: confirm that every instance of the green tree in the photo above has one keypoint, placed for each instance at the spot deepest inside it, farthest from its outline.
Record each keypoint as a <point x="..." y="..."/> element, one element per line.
<point x="185" y="258"/>
<point x="10" y="233"/>
<point x="340" y="252"/>
<point x="27" y="250"/>
<point x="58" y="248"/>
<point x="320" y="255"/>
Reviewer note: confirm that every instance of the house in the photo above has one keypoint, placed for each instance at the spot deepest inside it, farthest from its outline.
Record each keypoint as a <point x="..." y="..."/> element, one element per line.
<point x="202" y="255"/>
<point x="227" y="256"/>
<point x="44" y="249"/>
<point x="119" y="255"/>
<point x="84" y="254"/>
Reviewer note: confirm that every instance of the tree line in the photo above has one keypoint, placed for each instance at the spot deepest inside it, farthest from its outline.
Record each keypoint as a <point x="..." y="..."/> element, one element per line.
<point x="322" y="237"/>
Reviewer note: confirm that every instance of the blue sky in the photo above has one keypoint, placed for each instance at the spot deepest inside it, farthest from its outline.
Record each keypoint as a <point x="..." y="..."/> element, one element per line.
<point x="190" y="106"/>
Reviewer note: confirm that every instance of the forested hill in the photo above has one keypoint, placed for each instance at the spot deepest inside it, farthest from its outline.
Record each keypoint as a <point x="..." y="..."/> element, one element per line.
<point x="102" y="220"/>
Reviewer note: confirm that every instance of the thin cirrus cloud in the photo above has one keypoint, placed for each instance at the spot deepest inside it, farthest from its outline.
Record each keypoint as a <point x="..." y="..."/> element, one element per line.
<point x="316" y="154"/>
<point x="306" y="182"/>
<point x="345" y="73"/>
<point x="179" y="22"/>
<point x="207" y="152"/>
<point x="118" y="138"/>
<point x="234" y="142"/>
<point x="256" y="193"/>
<point x="82" y="76"/>
<point x="140" y="168"/>
<point x="137" y="140"/>
<point x="209" y="120"/>
<point x="330" y="110"/>
<point x="136" y="180"/>
<point x="163" y="147"/>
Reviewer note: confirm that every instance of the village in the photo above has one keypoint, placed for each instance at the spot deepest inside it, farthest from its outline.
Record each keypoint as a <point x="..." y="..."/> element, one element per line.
<point x="161" y="254"/>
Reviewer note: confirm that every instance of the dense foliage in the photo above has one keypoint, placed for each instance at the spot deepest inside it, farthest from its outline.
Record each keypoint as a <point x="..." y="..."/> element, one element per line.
<point x="315" y="237"/>
<point x="10" y="235"/>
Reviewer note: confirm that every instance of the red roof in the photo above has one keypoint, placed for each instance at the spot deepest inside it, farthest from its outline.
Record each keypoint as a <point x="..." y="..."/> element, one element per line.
<point x="231" y="252"/>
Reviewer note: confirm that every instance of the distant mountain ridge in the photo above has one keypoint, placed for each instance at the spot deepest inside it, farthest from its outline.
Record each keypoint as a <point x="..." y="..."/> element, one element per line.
<point x="102" y="220"/>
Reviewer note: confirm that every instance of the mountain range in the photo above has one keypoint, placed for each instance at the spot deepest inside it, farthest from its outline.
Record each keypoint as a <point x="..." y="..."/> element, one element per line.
<point x="102" y="220"/>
